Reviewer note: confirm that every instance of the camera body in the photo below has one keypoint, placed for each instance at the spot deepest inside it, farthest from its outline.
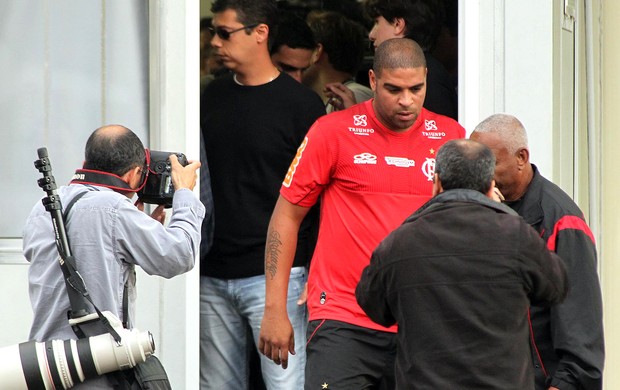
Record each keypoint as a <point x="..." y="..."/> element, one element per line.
<point x="158" y="188"/>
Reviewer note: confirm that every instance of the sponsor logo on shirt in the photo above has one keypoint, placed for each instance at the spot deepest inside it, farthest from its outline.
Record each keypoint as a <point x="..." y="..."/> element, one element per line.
<point x="365" y="158"/>
<point x="288" y="179"/>
<point x="360" y="120"/>
<point x="431" y="130"/>
<point x="428" y="168"/>
<point x="361" y="130"/>
<point x="399" y="161"/>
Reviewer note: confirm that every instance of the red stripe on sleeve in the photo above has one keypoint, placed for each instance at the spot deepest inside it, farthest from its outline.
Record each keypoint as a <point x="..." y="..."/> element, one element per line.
<point x="568" y="222"/>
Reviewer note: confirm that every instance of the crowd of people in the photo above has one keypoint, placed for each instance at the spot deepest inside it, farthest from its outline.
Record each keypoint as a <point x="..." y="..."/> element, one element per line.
<point x="350" y="236"/>
<point x="363" y="168"/>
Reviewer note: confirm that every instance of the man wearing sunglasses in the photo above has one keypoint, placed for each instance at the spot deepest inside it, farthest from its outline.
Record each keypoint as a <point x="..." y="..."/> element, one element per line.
<point x="253" y="121"/>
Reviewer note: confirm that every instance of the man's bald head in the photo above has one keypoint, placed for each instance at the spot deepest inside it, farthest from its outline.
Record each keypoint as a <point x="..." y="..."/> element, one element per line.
<point x="398" y="53"/>
<point x="114" y="149"/>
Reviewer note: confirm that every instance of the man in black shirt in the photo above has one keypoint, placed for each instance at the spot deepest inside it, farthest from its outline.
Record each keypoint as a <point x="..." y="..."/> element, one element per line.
<point x="253" y="121"/>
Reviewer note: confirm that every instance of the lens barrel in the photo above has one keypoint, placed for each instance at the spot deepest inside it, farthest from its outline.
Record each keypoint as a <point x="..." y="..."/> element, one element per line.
<point x="62" y="364"/>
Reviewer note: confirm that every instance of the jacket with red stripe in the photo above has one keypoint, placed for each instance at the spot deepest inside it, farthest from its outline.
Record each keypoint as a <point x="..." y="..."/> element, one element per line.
<point x="569" y="351"/>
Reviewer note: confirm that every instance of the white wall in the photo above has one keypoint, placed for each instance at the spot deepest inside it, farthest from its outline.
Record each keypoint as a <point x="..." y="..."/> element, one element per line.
<point x="175" y="126"/>
<point x="67" y="68"/>
<point x="610" y="245"/>
<point x="506" y="65"/>
<point x="70" y="66"/>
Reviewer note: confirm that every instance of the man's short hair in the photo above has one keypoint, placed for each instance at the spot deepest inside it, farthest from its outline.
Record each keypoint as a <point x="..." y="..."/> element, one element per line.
<point x="465" y="164"/>
<point x="342" y="39"/>
<point x="398" y="53"/>
<point x="116" y="154"/>
<point x="250" y="12"/>
<point x="509" y="129"/>
<point x="423" y="18"/>
<point x="205" y="23"/>
<point x="294" y="32"/>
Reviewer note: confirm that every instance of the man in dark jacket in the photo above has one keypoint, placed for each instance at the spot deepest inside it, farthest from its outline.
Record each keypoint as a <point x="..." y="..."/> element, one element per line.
<point x="458" y="277"/>
<point x="568" y="352"/>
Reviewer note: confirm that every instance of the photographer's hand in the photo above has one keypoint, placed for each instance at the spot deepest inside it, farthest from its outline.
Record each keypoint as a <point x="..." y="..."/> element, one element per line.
<point x="183" y="176"/>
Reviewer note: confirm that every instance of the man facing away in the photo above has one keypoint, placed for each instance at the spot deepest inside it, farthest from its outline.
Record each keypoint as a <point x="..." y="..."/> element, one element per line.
<point x="458" y="277"/>
<point x="252" y="122"/>
<point x="568" y="349"/>
<point x="109" y="236"/>
<point x="372" y="165"/>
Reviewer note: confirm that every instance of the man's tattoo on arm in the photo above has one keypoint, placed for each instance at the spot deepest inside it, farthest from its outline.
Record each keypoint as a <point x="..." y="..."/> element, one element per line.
<point x="272" y="253"/>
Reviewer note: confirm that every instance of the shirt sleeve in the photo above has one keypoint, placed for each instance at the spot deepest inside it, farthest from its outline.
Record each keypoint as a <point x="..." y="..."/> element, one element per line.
<point x="577" y="323"/>
<point x="543" y="270"/>
<point x="158" y="250"/>
<point x="310" y="170"/>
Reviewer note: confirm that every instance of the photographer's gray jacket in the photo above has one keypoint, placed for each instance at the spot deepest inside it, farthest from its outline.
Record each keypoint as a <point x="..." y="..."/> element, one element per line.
<point x="108" y="236"/>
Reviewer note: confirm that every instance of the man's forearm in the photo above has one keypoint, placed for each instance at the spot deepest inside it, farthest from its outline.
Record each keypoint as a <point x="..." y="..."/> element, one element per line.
<point x="278" y="263"/>
<point x="273" y="251"/>
<point x="280" y="248"/>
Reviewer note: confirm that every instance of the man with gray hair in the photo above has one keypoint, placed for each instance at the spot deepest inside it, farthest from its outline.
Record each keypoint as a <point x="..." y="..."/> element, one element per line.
<point x="457" y="277"/>
<point x="372" y="165"/>
<point x="568" y="346"/>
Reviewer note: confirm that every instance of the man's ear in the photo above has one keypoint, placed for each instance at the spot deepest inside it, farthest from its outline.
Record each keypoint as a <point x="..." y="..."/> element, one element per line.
<point x="372" y="79"/>
<point x="523" y="157"/>
<point x="262" y="33"/>
<point x="133" y="177"/>
<point x="317" y="53"/>
<point x="437" y="188"/>
<point x="491" y="191"/>
<point x="400" y="27"/>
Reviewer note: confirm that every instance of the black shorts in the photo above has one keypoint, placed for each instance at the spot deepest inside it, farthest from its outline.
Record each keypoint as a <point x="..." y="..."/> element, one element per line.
<point x="344" y="356"/>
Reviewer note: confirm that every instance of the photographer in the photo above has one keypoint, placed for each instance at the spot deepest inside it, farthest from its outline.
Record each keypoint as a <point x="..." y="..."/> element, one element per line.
<point x="109" y="235"/>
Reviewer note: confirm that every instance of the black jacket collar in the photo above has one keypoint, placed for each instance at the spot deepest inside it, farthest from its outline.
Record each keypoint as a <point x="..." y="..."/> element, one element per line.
<point x="461" y="195"/>
<point x="531" y="208"/>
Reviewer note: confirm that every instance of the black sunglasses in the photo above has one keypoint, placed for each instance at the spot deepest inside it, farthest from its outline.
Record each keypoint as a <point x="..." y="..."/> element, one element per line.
<point x="225" y="34"/>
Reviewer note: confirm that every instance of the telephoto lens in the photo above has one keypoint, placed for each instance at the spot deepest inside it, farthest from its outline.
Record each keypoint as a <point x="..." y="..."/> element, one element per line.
<point x="62" y="364"/>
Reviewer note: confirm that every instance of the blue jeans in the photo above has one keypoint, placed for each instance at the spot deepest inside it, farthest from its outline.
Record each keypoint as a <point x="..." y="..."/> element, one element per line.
<point x="227" y="306"/>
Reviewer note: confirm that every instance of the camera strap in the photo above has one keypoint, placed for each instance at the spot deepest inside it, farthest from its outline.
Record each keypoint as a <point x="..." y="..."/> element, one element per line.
<point x="110" y="180"/>
<point x="103" y="179"/>
<point x="75" y="279"/>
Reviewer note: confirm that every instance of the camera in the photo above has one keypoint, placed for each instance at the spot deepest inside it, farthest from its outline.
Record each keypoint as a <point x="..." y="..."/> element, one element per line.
<point x="158" y="188"/>
<point x="62" y="364"/>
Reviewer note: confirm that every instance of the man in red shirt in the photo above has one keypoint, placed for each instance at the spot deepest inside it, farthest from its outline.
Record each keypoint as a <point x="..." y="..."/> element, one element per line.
<point x="372" y="165"/>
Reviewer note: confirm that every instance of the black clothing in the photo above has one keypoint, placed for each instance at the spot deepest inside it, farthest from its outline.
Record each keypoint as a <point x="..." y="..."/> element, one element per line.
<point x="251" y="135"/>
<point x="458" y="277"/>
<point x="441" y="96"/>
<point x="569" y="337"/>
<point x="342" y="369"/>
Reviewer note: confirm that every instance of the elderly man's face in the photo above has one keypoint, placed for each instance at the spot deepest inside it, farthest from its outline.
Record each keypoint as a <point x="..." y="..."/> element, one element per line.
<point x="507" y="172"/>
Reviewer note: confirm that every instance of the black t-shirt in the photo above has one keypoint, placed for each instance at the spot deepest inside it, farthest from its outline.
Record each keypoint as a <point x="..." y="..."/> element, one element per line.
<point x="251" y="135"/>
